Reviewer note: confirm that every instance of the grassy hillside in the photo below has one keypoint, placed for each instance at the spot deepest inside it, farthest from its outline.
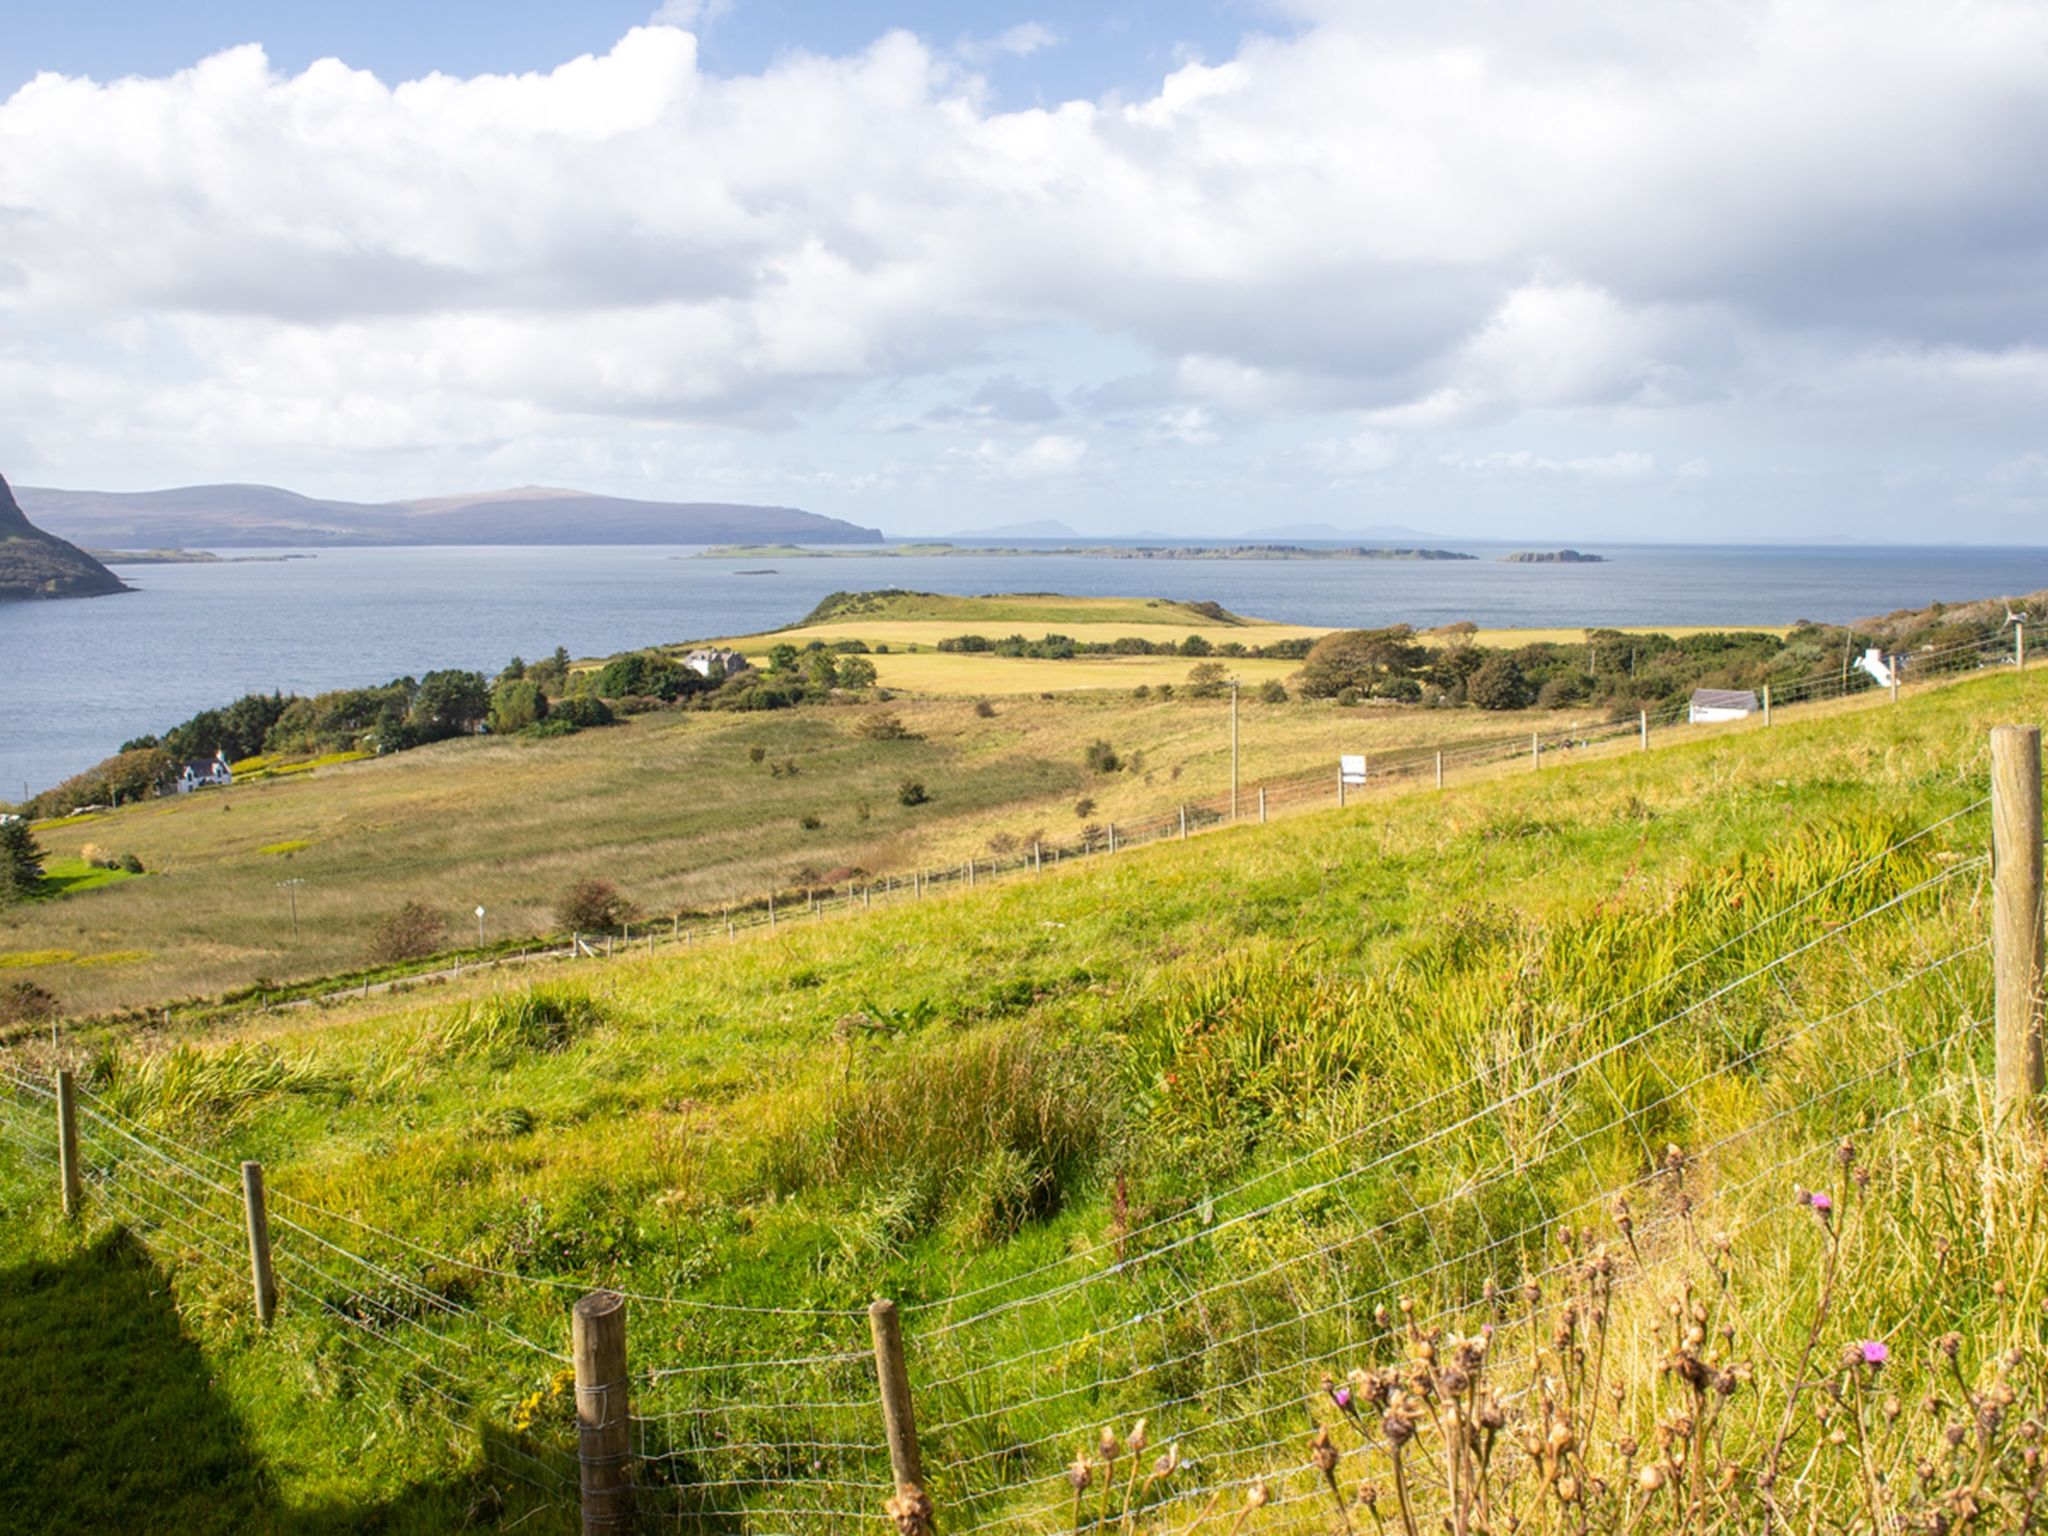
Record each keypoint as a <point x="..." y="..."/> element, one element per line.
<point x="1170" y="1127"/>
<point x="673" y="808"/>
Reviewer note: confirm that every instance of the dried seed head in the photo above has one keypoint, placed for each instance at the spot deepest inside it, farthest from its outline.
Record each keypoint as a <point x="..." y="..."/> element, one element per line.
<point x="1135" y="1440"/>
<point x="1108" y="1445"/>
<point x="1080" y="1471"/>
<point x="1256" y="1496"/>
<point x="1323" y="1452"/>
<point x="1651" y="1478"/>
<point x="1168" y="1462"/>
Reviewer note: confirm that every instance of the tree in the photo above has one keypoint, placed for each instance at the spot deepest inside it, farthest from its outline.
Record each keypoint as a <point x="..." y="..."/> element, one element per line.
<point x="1360" y="658"/>
<point x="1205" y="680"/>
<point x="1272" y="691"/>
<point x="21" y="860"/>
<point x="856" y="672"/>
<point x="1195" y="645"/>
<point x="782" y="658"/>
<point x="450" y="703"/>
<point x="1101" y="757"/>
<point x="1499" y="684"/>
<point x="515" y="704"/>
<point x="591" y="905"/>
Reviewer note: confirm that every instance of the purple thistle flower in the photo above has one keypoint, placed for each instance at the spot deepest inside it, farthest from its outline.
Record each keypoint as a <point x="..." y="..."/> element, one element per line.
<point x="1341" y="1397"/>
<point x="1874" y="1352"/>
<point x="1820" y="1202"/>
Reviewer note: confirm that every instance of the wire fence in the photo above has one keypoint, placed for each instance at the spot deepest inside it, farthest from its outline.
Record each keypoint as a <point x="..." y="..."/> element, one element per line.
<point x="1385" y="770"/>
<point x="1860" y="1000"/>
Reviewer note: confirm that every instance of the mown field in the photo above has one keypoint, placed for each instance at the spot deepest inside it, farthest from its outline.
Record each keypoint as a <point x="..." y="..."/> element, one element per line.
<point x="1174" y="1122"/>
<point x="675" y="809"/>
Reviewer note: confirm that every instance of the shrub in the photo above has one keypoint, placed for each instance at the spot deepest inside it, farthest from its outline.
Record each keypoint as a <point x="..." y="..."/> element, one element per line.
<point x="131" y="863"/>
<point x="1142" y="691"/>
<point x="413" y="932"/>
<point x="810" y="821"/>
<point x="1272" y="691"/>
<point x="984" y="710"/>
<point x="911" y="792"/>
<point x="1205" y="680"/>
<point x="884" y="725"/>
<point x="757" y="754"/>
<point x="23" y="1002"/>
<point x="1164" y="690"/>
<point x="1347" y="697"/>
<point x="1084" y="808"/>
<point x="580" y="713"/>
<point x="591" y="905"/>
<point x="1001" y="843"/>
<point x="1101" y="757"/>
<point x="856" y="672"/>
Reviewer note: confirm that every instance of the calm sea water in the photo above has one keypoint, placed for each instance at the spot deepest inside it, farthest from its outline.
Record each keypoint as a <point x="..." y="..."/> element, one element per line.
<point x="81" y="677"/>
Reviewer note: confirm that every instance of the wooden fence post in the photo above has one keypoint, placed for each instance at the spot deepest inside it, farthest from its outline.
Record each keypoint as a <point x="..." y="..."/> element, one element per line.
<point x="2019" y="645"/>
<point x="1892" y="666"/>
<point x="771" y="909"/>
<point x="1037" y="856"/>
<point x="2016" y="933"/>
<point x="898" y="1421"/>
<point x="1340" y="789"/>
<point x="1535" y="749"/>
<point x="1643" y="727"/>
<point x="67" y="1143"/>
<point x="1183" y="823"/>
<point x="1262" y="805"/>
<point x="597" y="1333"/>
<point x="1439" y="770"/>
<point x="256" y="1216"/>
<point x="1112" y="837"/>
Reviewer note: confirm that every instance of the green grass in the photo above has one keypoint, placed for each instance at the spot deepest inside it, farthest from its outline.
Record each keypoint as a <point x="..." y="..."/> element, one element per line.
<point x="670" y="807"/>
<point x="953" y="1094"/>
<point x="74" y="877"/>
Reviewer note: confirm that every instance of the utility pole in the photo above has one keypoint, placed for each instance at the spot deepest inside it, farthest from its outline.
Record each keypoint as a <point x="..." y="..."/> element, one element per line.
<point x="479" y="925"/>
<point x="293" y="887"/>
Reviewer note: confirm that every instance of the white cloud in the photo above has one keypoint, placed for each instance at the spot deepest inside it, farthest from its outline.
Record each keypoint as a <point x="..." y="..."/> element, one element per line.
<point x="1193" y="426"/>
<point x="1020" y="41"/>
<point x="690" y="15"/>
<point x="1623" y="466"/>
<point x="1364" y="452"/>
<point x="1044" y="458"/>
<point x="1395" y="223"/>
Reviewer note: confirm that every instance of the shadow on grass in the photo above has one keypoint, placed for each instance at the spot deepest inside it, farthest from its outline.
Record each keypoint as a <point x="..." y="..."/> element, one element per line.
<point x="118" y="1424"/>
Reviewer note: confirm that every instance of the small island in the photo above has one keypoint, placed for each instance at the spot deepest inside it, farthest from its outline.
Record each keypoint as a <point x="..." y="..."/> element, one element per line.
<point x="1552" y="557"/>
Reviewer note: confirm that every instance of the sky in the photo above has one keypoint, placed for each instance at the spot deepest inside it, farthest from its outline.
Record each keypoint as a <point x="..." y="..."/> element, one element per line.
<point x="1699" y="271"/>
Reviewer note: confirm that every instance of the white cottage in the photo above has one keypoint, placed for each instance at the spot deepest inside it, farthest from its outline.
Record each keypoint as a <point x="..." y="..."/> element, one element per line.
<point x="204" y="775"/>
<point x="727" y="663"/>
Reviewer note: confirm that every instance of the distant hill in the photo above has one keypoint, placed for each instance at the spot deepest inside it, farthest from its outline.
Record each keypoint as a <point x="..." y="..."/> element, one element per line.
<point x="33" y="564"/>
<point x="263" y="515"/>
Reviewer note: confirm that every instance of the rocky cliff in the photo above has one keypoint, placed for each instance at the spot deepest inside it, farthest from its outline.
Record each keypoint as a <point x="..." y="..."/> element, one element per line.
<point x="33" y="564"/>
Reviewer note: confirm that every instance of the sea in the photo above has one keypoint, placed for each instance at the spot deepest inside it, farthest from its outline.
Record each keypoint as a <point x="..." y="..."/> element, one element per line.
<point x="80" y="677"/>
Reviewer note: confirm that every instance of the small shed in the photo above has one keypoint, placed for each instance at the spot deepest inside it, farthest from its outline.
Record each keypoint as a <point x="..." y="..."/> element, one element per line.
<point x="1710" y="706"/>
